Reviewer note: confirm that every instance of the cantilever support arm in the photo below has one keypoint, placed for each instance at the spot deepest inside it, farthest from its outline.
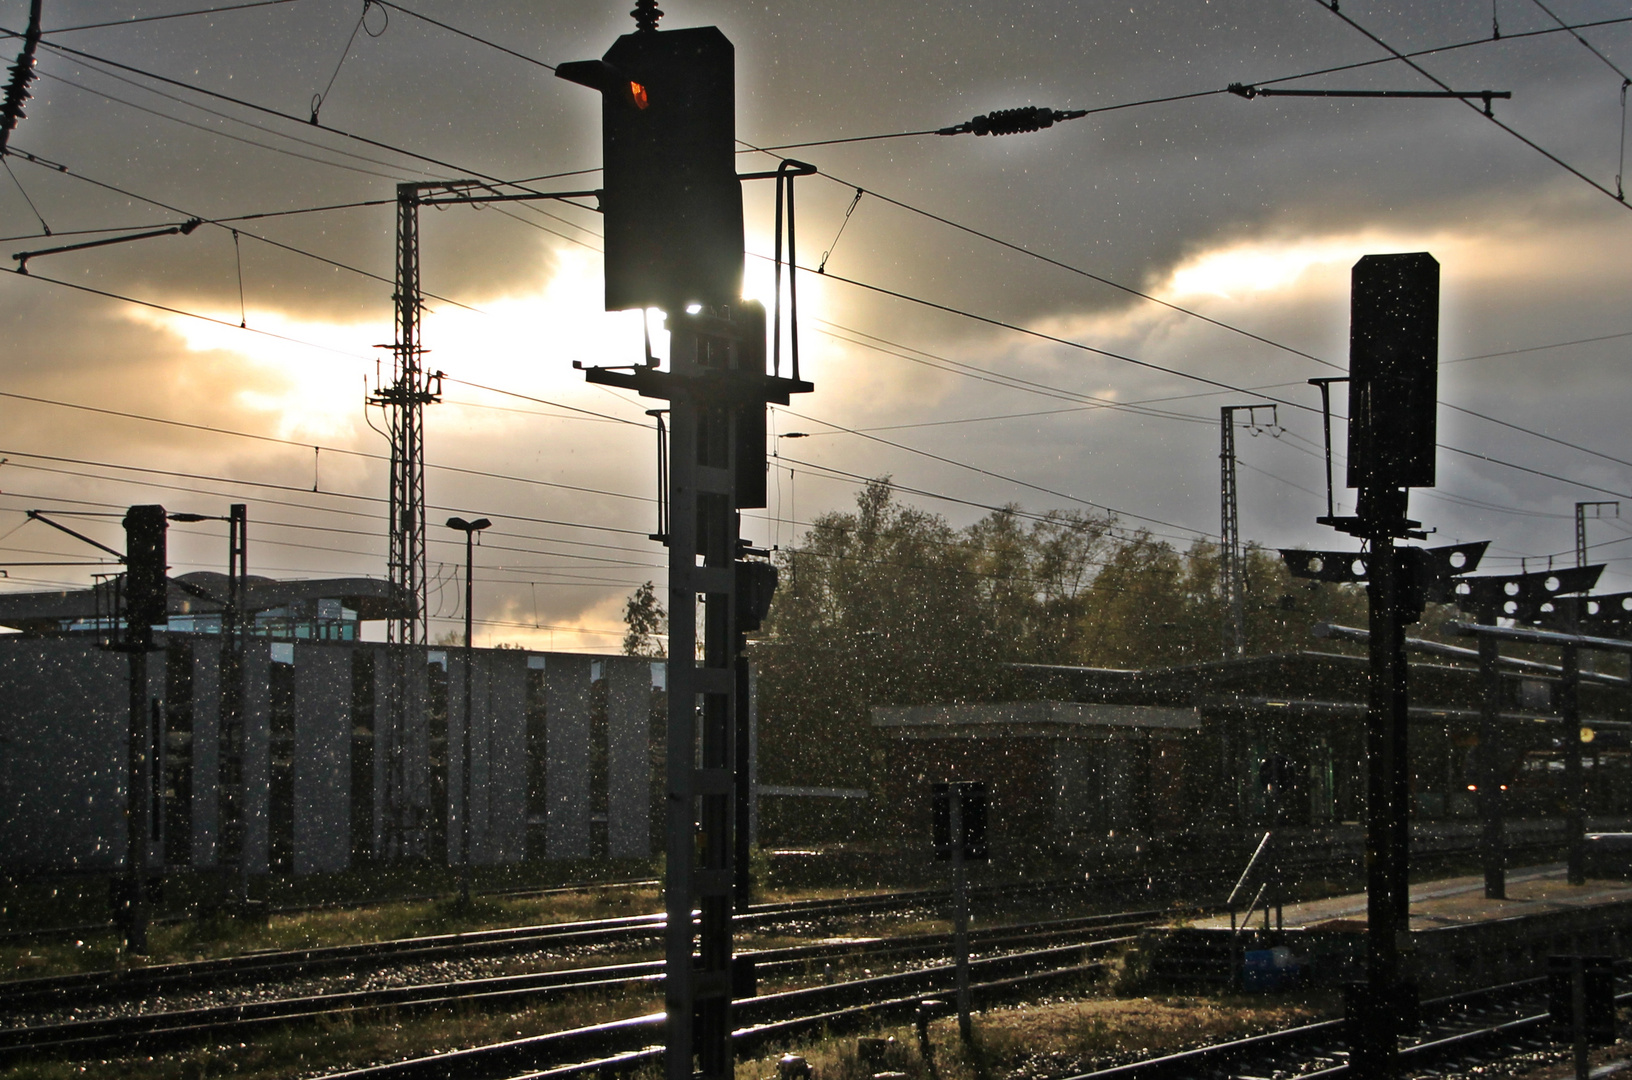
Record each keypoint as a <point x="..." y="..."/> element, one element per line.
<point x="1537" y="637"/>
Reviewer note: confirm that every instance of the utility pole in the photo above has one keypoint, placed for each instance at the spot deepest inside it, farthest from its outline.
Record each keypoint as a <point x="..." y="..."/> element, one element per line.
<point x="1569" y="703"/>
<point x="235" y="626"/>
<point x="1231" y="570"/>
<point x="1492" y="830"/>
<point x="230" y="771"/>
<point x="403" y="401"/>
<point x="146" y="605"/>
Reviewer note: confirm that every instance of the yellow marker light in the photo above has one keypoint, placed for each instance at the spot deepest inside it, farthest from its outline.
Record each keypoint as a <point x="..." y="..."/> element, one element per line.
<point x="637" y="94"/>
<point x="1587" y="734"/>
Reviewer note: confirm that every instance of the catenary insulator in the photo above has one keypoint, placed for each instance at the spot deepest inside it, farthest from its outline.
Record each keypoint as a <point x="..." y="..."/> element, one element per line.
<point x="646" y="14"/>
<point x="1013" y="121"/>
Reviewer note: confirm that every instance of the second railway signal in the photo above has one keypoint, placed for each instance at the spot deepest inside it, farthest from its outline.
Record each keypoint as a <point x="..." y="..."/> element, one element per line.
<point x="1393" y="371"/>
<point x="1393" y="381"/>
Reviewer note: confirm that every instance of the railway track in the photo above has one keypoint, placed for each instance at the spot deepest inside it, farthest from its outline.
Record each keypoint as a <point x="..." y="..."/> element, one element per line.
<point x="157" y="1031"/>
<point x="70" y="991"/>
<point x="1458" y="1033"/>
<point x="764" y="1020"/>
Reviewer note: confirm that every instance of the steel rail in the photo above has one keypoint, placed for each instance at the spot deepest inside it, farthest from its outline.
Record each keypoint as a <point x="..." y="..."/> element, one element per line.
<point x="57" y="991"/>
<point x="771" y="1016"/>
<point x="1277" y="1051"/>
<point x="156" y="1030"/>
<point x="54" y="991"/>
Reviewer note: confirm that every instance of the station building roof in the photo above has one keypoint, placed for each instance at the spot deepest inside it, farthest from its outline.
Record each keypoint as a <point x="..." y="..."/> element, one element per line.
<point x="204" y="593"/>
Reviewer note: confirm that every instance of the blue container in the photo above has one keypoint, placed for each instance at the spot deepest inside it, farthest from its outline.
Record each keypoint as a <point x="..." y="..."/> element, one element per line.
<point x="1270" y="970"/>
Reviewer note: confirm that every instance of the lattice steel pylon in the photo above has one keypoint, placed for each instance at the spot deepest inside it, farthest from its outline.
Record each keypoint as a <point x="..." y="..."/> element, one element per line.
<point x="1581" y="509"/>
<point x="1231" y="571"/>
<point x="403" y="401"/>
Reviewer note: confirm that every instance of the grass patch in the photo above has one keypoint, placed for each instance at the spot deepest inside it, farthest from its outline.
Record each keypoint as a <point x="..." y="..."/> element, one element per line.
<point x="214" y="935"/>
<point x="344" y="1042"/>
<point x="1056" y="1037"/>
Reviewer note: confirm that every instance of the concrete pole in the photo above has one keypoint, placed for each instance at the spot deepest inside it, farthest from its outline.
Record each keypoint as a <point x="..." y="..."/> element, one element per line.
<point x="1569" y="709"/>
<point x="1492" y="842"/>
<point x="960" y="915"/>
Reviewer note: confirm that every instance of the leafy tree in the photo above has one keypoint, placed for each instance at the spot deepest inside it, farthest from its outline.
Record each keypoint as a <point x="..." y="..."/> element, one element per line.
<point x="887" y="604"/>
<point x="647" y="621"/>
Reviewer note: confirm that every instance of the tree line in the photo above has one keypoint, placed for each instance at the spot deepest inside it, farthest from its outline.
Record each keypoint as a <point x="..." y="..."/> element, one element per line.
<point x="887" y="604"/>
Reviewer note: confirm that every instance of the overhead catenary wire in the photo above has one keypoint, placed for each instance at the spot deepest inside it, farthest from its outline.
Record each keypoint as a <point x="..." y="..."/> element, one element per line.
<point x="218" y="132"/>
<point x="362" y="22"/>
<point x="1224" y="386"/>
<point x="995" y="475"/>
<point x="222" y="223"/>
<point x="466" y="34"/>
<point x="1195" y="94"/>
<point x="1063" y="265"/>
<point x="1002" y="324"/>
<point x="1333" y="7"/>
<point x="135" y="19"/>
<point x="21" y="190"/>
<point x="454" y="170"/>
<point x="1585" y="44"/>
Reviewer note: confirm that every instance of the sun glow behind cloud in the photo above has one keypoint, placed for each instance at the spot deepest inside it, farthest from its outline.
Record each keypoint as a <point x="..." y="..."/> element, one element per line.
<point x="1266" y="266"/>
<point x="1259" y="267"/>
<point x="307" y="375"/>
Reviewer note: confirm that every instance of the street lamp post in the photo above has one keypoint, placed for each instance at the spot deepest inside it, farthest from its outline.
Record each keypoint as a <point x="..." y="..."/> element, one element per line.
<point x="470" y="529"/>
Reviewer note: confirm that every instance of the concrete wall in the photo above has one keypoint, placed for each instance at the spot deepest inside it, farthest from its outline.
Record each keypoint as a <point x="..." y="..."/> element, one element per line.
<point x="382" y="748"/>
<point x="628" y="756"/>
<point x="64" y="734"/>
<point x="459" y="746"/>
<point x="257" y="753"/>
<point x="567" y="756"/>
<point x="505" y="809"/>
<point x="323" y="758"/>
<point x="206" y="752"/>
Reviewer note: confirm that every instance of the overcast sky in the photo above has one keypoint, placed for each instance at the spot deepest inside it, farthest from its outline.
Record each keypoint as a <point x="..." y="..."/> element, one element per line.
<point x="1249" y="212"/>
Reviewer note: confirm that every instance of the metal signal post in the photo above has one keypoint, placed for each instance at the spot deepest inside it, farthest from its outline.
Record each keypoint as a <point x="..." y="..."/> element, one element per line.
<point x="672" y="207"/>
<point x="1393" y="384"/>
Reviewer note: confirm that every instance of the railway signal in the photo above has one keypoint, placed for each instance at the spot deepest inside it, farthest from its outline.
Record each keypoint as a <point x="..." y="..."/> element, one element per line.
<point x="672" y="203"/>
<point x="1393" y="382"/>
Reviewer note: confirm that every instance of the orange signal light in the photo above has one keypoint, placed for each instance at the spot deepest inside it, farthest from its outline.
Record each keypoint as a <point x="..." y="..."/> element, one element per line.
<point x="637" y="94"/>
